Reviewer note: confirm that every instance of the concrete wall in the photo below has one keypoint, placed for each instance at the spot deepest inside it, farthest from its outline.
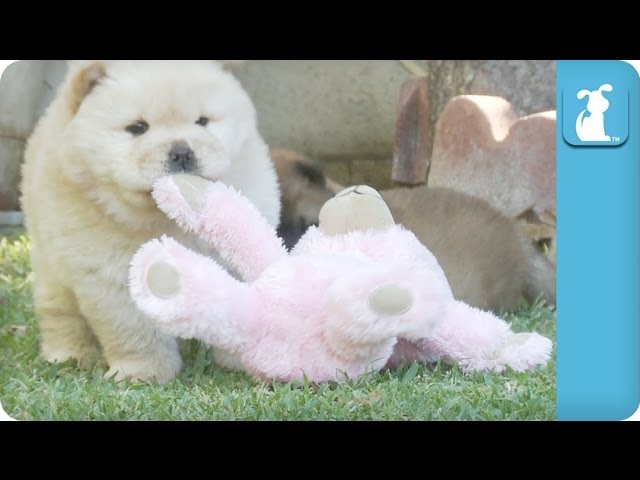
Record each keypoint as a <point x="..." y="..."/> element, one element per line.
<point x="26" y="89"/>
<point x="340" y="111"/>
<point x="347" y="107"/>
<point x="343" y="111"/>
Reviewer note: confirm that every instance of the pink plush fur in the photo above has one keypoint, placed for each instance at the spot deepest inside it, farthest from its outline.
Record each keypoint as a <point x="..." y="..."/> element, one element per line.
<point x="247" y="246"/>
<point x="310" y="312"/>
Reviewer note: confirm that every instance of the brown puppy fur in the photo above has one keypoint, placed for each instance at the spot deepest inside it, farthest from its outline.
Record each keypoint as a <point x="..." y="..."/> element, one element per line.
<point x="488" y="260"/>
<point x="304" y="189"/>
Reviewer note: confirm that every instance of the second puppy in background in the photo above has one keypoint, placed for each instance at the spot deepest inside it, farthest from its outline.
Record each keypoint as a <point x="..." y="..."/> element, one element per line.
<point x="489" y="262"/>
<point x="305" y="189"/>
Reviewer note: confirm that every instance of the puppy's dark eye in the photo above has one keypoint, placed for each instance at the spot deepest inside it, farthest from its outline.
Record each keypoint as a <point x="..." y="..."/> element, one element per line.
<point x="137" y="128"/>
<point x="203" y="121"/>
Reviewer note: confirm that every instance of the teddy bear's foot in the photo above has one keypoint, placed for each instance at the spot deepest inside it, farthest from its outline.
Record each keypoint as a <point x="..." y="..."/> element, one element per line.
<point x="369" y="310"/>
<point x="390" y="299"/>
<point x="521" y="351"/>
<point x="524" y="351"/>
<point x="479" y="340"/>
<point x="163" y="280"/>
<point x="414" y="317"/>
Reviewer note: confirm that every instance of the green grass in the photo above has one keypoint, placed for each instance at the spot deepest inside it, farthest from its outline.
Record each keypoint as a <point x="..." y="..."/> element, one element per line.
<point x="31" y="389"/>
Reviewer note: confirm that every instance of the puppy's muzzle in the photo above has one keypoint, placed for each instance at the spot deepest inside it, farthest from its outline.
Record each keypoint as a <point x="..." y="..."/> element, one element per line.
<point x="182" y="159"/>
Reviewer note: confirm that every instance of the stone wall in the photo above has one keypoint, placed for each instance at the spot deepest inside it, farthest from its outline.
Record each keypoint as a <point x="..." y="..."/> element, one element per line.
<point x="339" y="111"/>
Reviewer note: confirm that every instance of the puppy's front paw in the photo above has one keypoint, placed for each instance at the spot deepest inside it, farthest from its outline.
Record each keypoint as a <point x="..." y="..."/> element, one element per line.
<point x="157" y="371"/>
<point x="87" y="355"/>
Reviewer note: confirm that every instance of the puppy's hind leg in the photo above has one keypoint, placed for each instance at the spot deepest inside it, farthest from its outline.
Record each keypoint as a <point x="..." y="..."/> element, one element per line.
<point x="64" y="331"/>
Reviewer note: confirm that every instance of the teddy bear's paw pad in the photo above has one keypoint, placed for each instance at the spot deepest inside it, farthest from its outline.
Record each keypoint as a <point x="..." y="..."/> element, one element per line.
<point x="163" y="280"/>
<point x="193" y="189"/>
<point x="390" y="299"/>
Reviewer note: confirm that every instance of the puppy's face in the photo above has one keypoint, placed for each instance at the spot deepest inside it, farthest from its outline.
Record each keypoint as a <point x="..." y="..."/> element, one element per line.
<point x="135" y="121"/>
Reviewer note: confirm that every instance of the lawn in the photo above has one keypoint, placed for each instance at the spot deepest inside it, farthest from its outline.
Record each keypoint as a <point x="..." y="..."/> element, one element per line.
<point x="31" y="389"/>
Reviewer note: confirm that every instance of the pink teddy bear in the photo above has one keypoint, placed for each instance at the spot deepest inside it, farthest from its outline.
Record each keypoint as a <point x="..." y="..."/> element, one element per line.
<point x="358" y="293"/>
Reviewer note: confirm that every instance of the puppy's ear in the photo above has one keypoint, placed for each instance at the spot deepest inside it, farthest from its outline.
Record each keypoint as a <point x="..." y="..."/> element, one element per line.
<point x="229" y="65"/>
<point x="311" y="172"/>
<point x="85" y="76"/>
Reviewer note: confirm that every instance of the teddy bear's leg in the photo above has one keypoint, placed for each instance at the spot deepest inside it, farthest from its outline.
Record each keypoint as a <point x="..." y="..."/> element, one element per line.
<point x="220" y="215"/>
<point x="190" y="296"/>
<point x="478" y="340"/>
<point x="367" y="311"/>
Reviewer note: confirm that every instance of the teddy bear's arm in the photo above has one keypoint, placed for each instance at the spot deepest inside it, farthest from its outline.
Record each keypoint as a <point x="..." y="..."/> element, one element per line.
<point x="222" y="217"/>
<point x="189" y="295"/>
<point x="478" y="340"/>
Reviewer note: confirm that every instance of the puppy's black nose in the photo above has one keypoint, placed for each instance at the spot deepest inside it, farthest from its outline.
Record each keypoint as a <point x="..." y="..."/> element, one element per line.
<point x="181" y="158"/>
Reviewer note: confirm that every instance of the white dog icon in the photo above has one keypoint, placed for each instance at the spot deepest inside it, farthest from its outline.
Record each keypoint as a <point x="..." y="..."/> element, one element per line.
<point x="591" y="128"/>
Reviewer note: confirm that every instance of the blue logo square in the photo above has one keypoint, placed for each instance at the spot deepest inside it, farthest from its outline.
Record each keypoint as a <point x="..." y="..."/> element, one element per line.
<point x="595" y="109"/>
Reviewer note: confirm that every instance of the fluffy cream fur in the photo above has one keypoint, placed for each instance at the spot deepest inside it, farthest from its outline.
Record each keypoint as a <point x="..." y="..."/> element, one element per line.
<point x="86" y="197"/>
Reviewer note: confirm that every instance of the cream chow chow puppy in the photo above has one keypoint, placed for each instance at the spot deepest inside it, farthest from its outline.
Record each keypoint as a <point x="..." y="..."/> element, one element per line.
<point x="113" y="129"/>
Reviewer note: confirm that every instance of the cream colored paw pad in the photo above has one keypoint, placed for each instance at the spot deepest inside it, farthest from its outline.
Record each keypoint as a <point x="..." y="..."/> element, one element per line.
<point x="390" y="300"/>
<point x="163" y="280"/>
<point x="193" y="190"/>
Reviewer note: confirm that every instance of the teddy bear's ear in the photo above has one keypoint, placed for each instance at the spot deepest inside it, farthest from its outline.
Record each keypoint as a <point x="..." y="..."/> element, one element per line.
<point x="85" y="75"/>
